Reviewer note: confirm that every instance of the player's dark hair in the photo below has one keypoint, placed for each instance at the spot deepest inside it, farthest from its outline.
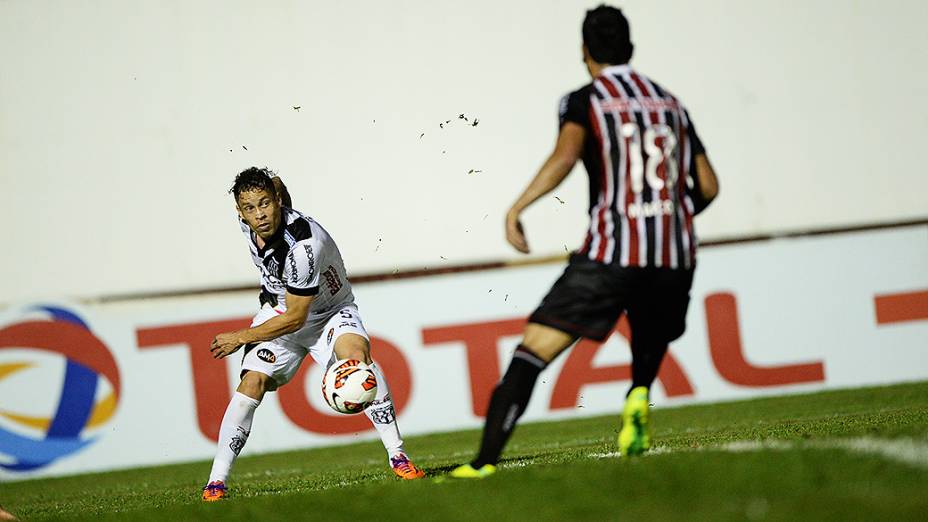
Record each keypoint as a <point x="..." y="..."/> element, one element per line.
<point x="606" y="35"/>
<point x="253" y="178"/>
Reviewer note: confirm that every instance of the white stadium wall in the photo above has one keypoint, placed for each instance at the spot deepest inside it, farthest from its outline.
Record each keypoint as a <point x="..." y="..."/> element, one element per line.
<point x="122" y="384"/>
<point x="122" y="124"/>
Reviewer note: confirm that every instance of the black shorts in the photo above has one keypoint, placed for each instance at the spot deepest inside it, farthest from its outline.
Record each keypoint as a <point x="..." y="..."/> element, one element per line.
<point x="589" y="298"/>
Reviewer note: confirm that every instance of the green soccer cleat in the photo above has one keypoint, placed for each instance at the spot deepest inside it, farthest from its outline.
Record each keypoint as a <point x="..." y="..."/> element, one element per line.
<point x="469" y="472"/>
<point x="635" y="437"/>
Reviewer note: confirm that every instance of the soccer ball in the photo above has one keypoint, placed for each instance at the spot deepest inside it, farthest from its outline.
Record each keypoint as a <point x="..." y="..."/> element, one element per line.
<point x="349" y="386"/>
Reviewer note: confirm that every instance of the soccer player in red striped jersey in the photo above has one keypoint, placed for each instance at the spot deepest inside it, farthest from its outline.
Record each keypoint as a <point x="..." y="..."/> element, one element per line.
<point x="649" y="176"/>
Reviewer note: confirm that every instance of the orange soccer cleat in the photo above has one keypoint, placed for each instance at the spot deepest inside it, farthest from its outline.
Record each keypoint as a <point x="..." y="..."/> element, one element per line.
<point x="404" y="468"/>
<point x="214" y="491"/>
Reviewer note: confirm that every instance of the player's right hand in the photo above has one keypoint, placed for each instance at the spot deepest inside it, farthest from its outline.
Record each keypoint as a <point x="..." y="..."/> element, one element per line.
<point x="514" y="233"/>
<point x="225" y="344"/>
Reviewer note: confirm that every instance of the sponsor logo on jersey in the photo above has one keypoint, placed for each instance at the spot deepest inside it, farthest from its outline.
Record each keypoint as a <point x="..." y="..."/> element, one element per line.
<point x="332" y="280"/>
<point x="312" y="261"/>
<point x="328" y="339"/>
<point x="294" y="274"/>
<point x="267" y="356"/>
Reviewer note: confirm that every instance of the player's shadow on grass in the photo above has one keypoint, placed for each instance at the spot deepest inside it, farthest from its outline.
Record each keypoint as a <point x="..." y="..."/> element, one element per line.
<point x="508" y="462"/>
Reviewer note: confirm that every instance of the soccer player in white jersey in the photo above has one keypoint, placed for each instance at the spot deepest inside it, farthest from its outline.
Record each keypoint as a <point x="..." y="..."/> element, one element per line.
<point x="307" y="307"/>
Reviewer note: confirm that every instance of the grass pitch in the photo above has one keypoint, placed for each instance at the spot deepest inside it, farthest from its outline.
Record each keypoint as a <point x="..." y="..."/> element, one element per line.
<point x="857" y="454"/>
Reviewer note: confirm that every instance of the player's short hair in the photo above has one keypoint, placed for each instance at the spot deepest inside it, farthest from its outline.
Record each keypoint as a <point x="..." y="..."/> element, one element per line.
<point x="607" y="36"/>
<point x="254" y="178"/>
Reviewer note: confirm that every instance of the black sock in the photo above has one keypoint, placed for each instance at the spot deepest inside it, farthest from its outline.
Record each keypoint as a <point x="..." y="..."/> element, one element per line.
<point x="647" y="354"/>
<point x="507" y="404"/>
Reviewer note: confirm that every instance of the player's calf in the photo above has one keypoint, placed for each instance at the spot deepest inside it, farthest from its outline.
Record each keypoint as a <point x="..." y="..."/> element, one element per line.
<point x="234" y="431"/>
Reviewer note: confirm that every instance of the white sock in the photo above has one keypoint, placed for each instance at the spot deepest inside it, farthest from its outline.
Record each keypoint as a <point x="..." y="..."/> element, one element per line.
<point x="233" y="433"/>
<point x="383" y="415"/>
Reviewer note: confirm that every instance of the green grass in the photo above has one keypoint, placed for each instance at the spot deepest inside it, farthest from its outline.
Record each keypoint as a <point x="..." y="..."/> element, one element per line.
<point x="551" y="472"/>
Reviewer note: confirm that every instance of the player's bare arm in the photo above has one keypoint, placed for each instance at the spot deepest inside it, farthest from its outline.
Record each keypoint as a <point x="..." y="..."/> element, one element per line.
<point x="708" y="182"/>
<point x="558" y="165"/>
<point x="293" y="319"/>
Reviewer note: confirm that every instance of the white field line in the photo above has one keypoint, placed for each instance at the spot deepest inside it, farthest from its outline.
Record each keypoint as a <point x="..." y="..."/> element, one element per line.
<point x="907" y="451"/>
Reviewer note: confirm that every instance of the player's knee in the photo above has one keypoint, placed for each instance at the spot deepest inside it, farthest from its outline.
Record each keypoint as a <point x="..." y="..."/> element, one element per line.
<point x="546" y="342"/>
<point x="256" y="384"/>
<point x="544" y="353"/>
<point x="353" y="346"/>
<point x="658" y="336"/>
<point x="674" y="331"/>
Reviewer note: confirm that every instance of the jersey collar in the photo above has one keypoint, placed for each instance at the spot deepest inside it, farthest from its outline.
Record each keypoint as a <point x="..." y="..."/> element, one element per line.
<point x="616" y="69"/>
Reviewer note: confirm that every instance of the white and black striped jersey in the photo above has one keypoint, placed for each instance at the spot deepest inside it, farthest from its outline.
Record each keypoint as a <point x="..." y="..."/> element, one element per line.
<point x="303" y="259"/>
<point x="639" y="155"/>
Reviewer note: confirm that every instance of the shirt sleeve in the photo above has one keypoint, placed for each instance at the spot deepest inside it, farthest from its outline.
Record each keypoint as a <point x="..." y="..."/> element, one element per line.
<point x="575" y="107"/>
<point x="696" y="145"/>
<point x="300" y="273"/>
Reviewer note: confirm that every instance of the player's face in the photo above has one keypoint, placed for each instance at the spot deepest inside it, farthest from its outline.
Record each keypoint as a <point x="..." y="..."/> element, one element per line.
<point x="261" y="211"/>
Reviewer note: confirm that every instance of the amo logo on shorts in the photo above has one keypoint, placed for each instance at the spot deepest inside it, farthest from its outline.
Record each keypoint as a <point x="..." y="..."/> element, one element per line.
<point x="267" y="356"/>
<point x="38" y="440"/>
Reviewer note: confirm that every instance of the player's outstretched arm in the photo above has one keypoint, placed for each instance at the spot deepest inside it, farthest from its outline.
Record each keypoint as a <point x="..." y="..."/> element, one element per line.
<point x="558" y="165"/>
<point x="293" y="319"/>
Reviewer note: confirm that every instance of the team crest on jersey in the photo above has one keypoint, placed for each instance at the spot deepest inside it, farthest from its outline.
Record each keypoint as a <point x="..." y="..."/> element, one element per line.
<point x="266" y="355"/>
<point x="328" y="339"/>
<point x="272" y="265"/>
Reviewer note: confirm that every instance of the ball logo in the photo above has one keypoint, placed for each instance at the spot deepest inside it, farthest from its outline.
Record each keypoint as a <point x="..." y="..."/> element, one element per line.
<point x="36" y="441"/>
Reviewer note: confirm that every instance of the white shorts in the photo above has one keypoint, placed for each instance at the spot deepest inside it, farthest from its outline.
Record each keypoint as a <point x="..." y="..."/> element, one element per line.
<point x="281" y="358"/>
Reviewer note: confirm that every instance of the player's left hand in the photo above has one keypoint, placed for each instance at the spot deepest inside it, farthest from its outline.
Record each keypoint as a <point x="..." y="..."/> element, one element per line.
<point x="225" y="344"/>
<point x="514" y="232"/>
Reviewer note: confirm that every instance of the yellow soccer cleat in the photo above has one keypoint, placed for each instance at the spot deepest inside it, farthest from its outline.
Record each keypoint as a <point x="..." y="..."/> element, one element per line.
<point x="635" y="437"/>
<point x="469" y="472"/>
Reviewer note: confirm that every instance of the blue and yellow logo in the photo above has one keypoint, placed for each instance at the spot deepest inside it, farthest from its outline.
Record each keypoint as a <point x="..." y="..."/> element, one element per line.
<point x="61" y="332"/>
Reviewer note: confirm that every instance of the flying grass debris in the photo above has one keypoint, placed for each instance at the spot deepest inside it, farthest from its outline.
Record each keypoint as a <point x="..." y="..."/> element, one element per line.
<point x="461" y="116"/>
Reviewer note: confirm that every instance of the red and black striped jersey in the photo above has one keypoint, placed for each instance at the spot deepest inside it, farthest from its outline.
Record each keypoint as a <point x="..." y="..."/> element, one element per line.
<point x="639" y="154"/>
